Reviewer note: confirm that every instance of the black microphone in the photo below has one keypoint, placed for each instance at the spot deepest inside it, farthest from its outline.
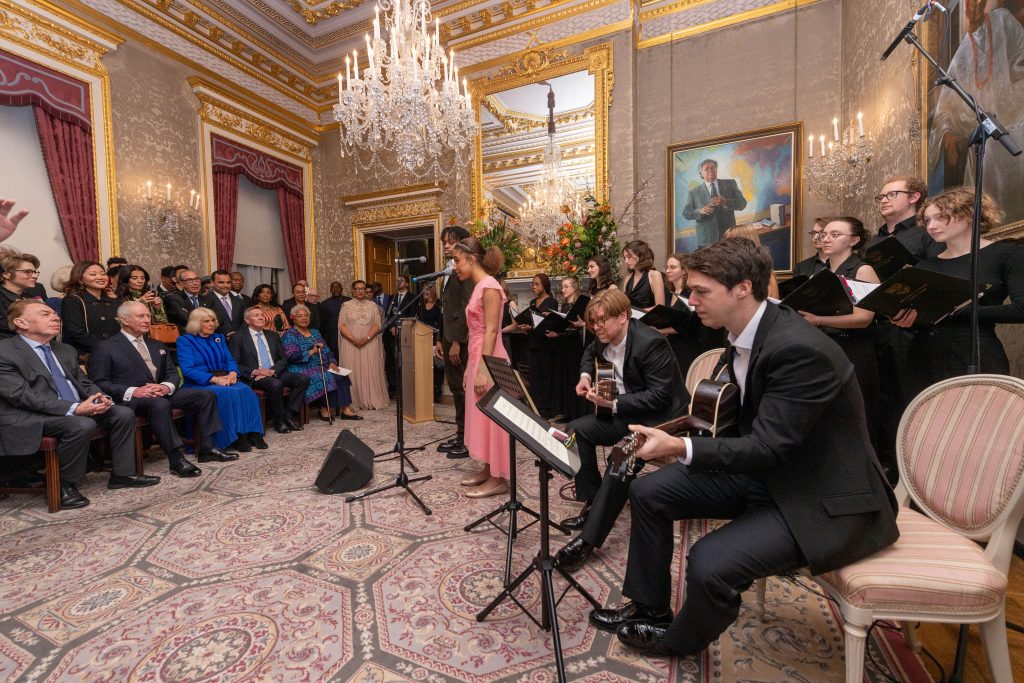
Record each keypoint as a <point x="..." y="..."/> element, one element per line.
<point x="412" y="259"/>
<point x="433" y="276"/>
<point x="908" y="28"/>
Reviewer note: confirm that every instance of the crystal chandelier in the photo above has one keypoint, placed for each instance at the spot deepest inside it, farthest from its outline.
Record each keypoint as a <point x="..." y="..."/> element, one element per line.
<point x="407" y="102"/>
<point x="840" y="169"/>
<point x="168" y="216"/>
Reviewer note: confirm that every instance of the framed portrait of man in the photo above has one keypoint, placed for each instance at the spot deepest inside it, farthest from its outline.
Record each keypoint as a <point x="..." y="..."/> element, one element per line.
<point x="981" y="44"/>
<point x="746" y="182"/>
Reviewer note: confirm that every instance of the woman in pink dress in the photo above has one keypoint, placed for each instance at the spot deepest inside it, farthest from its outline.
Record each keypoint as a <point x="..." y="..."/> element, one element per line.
<point x="485" y="440"/>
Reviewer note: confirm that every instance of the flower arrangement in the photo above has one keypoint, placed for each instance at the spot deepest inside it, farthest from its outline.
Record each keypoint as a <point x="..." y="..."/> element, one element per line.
<point x="499" y="230"/>
<point x="581" y="237"/>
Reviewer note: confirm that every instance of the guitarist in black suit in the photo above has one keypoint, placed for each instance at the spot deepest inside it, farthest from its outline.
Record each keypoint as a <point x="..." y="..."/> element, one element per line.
<point x="229" y="307"/>
<point x="139" y="373"/>
<point x="262" y="365"/>
<point x="800" y="482"/>
<point x="650" y="391"/>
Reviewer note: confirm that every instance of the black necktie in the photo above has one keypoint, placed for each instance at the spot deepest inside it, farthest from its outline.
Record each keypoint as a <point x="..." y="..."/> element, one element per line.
<point x="725" y="371"/>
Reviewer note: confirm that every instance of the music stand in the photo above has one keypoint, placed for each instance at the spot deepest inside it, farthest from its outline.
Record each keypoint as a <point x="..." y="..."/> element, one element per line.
<point x="509" y="380"/>
<point x="532" y="431"/>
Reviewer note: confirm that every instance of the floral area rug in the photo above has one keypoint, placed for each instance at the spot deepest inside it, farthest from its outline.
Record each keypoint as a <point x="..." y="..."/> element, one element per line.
<point x="249" y="573"/>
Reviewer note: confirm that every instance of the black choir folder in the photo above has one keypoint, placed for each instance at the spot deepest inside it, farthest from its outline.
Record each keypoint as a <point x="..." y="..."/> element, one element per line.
<point x="578" y="309"/>
<point x="935" y="296"/>
<point x="787" y="287"/>
<point x="888" y="257"/>
<point x="524" y="317"/>
<point x="662" y="317"/>
<point x="550" y="321"/>
<point x="823" y="294"/>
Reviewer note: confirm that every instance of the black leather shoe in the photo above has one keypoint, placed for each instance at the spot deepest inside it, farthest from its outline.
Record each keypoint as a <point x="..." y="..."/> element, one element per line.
<point x="183" y="468"/>
<point x="281" y="427"/>
<point x="645" y="637"/>
<point x="458" y="451"/>
<point x="574" y="555"/>
<point x="292" y="425"/>
<point x="241" y="444"/>
<point x="216" y="455"/>
<point x="577" y="521"/>
<point x="131" y="481"/>
<point x="446" y="446"/>
<point x="70" y="497"/>
<point x="257" y="441"/>
<point x="611" y="619"/>
<point x="345" y="416"/>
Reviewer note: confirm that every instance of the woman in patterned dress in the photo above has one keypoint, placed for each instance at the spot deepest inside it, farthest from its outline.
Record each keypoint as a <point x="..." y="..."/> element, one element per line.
<point x="301" y="344"/>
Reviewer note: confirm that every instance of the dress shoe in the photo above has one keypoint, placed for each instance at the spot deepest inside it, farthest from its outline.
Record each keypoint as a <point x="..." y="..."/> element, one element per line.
<point x="241" y="444"/>
<point x="70" y="498"/>
<point x="346" y="416"/>
<point x="216" y="455"/>
<point x="446" y="446"/>
<point x="183" y="468"/>
<point x="458" y="451"/>
<point x="292" y="425"/>
<point x="281" y="427"/>
<point x="488" y="491"/>
<point x="131" y="481"/>
<point x="611" y="619"/>
<point x="577" y="521"/>
<point x="476" y="478"/>
<point x="256" y="440"/>
<point x="325" y="418"/>
<point x="574" y="555"/>
<point x="645" y="637"/>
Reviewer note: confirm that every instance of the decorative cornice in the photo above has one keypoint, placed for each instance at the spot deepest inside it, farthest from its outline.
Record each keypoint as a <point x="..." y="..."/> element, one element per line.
<point x="392" y="213"/>
<point x="669" y="8"/>
<point x="495" y="16"/>
<point x="724" y="22"/>
<point x="571" y="151"/>
<point x="399" y="194"/>
<point x="522" y="122"/>
<point x="313" y="15"/>
<point x="545" y="20"/>
<point x="38" y="34"/>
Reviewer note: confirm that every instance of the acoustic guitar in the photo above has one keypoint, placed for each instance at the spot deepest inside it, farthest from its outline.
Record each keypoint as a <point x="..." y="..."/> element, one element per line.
<point x="604" y="385"/>
<point x="714" y="411"/>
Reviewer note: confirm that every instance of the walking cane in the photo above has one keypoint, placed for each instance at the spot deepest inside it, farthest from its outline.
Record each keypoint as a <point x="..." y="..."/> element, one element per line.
<point x="323" y="377"/>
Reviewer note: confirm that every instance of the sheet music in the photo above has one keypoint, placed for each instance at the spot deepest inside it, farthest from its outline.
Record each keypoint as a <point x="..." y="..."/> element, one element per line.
<point x="637" y="313"/>
<point x="533" y="430"/>
<point x="343" y="372"/>
<point x="537" y="320"/>
<point x="859" y="289"/>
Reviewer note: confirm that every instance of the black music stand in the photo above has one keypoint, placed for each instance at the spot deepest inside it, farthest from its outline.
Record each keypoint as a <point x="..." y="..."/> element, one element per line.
<point x="508" y="379"/>
<point x="532" y="431"/>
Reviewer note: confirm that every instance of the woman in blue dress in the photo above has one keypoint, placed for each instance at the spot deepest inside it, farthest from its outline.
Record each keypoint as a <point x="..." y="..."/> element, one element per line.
<point x="206" y="363"/>
<point x="301" y="344"/>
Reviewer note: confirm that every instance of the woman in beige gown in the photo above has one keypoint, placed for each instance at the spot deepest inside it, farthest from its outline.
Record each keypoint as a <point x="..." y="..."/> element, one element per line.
<point x="361" y="349"/>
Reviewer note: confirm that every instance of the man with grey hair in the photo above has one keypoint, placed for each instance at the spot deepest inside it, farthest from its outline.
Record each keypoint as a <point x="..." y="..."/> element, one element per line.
<point x="139" y="373"/>
<point x="713" y="203"/>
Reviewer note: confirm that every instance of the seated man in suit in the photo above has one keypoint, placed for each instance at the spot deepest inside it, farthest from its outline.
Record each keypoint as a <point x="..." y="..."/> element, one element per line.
<point x="140" y="374"/>
<point x="179" y="304"/>
<point x="800" y="483"/>
<point x="261" y="365"/>
<point x="237" y="284"/>
<point x="650" y="390"/>
<point x="43" y="392"/>
<point x="229" y="307"/>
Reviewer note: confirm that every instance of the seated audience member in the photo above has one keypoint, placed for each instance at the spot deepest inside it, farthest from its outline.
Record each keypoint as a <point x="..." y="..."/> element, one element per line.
<point x="817" y="262"/>
<point x="329" y="311"/>
<point x="17" y="278"/>
<point x="229" y="307"/>
<point x="309" y="356"/>
<point x="58" y="283"/>
<point x="237" y="283"/>
<point x="8" y="221"/>
<point x="262" y="364"/>
<point x="89" y="311"/>
<point x="265" y="297"/>
<point x="206" y="363"/>
<point x="134" y="287"/>
<point x="37" y="291"/>
<point x="181" y="303"/>
<point x="800" y="483"/>
<point x="43" y="392"/>
<point x="168" y="282"/>
<point x="139" y="373"/>
<point x="300" y="295"/>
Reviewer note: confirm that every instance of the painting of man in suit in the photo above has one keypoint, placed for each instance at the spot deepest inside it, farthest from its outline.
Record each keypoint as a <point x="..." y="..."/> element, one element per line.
<point x="713" y="203"/>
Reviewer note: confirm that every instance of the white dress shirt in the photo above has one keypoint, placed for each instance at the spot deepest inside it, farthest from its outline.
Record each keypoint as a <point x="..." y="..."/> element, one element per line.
<point x="616" y="355"/>
<point x="35" y="346"/>
<point x="256" y="334"/>
<point x="131" y="390"/>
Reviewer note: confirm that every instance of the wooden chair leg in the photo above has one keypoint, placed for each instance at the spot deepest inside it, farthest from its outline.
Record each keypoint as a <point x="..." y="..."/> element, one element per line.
<point x="52" y="480"/>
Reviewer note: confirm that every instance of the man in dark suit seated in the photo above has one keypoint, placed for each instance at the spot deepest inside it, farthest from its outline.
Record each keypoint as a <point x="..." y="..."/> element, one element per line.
<point x="179" y="304"/>
<point x="237" y="285"/>
<point x="800" y="483"/>
<point x="261" y="365"/>
<point x="140" y="374"/>
<point x="229" y="307"/>
<point x="650" y="391"/>
<point x="43" y="392"/>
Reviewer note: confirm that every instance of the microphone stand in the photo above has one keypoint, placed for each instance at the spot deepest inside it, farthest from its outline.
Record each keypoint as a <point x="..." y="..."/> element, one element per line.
<point x="323" y="378"/>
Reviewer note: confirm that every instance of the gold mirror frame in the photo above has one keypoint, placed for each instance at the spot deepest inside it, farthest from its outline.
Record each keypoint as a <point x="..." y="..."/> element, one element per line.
<point x="538" y="65"/>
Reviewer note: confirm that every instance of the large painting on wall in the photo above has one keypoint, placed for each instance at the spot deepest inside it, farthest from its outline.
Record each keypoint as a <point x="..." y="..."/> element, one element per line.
<point x="747" y="179"/>
<point x="985" y="54"/>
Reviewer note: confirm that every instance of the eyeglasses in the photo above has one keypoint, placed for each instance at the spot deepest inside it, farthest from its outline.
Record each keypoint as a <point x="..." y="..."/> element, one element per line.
<point x="815" y="234"/>
<point x="891" y="195"/>
<point x="28" y="272"/>
<point x="835" y="235"/>
<point x="599" y="322"/>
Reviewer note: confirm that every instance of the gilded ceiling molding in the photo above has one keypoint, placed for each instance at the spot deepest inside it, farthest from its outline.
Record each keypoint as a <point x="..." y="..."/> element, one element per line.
<point x="647" y="18"/>
<point x="575" y="150"/>
<point x="495" y="16"/>
<point x="333" y="9"/>
<point x="522" y="121"/>
<point x="545" y="20"/>
<point x="668" y="8"/>
<point x="34" y="31"/>
<point x="238" y="20"/>
<point x="393" y="213"/>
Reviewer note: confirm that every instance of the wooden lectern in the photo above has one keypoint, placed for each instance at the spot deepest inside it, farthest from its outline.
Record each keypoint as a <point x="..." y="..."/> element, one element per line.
<point x="417" y="349"/>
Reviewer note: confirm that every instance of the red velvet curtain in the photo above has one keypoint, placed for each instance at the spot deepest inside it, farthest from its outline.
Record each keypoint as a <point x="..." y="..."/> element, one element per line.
<point x="289" y="206"/>
<point x="67" y="151"/>
<point x="225" y="216"/>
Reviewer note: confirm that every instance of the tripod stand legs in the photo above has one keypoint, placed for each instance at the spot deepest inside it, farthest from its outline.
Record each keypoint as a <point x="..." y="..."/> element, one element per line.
<point x="402" y="482"/>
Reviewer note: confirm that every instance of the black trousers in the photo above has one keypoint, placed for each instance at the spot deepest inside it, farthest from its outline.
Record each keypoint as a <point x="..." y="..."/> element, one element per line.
<point x="201" y="404"/>
<point x="273" y="387"/>
<point x="453" y="374"/>
<point x="720" y="566"/>
<point x="892" y="347"/>
<point x="607" y="506"/>
<point x="74" y="433"/>
<point x="593" y="431"/>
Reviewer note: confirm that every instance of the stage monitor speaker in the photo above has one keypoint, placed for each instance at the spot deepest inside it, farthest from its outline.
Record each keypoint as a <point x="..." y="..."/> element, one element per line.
<point x="349" y="465"/>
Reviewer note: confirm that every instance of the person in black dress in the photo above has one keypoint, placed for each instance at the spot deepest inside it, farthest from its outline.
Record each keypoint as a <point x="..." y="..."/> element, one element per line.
<point x="542" y="386"/>
<point x="691" y="338"/>
<point x="599" y="270"/>
<point x="644" y="285"/>
<point x="566" y="354"/>
<point x="944" y="350"/>
<point x="89" y="311"/>
<point x="429" y="313"/>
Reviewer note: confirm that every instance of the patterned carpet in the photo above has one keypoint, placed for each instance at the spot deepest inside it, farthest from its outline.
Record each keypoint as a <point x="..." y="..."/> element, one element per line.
<point x="248" y="573"/>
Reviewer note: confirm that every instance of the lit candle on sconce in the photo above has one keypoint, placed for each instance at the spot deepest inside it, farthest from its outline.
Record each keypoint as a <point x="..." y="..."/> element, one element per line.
<point x="830" y="148"/>
<point x="191" y="198"/>
<point x="168" y="192"/>
<point x="860" y="124"/>
<point x="822" y="141"/>
<point x="810" y="147"/>
<point x="149" y="189"/>
<point x="835" y="129"/>
<point x="376" y="22"/>
<point x="197" y="201"/>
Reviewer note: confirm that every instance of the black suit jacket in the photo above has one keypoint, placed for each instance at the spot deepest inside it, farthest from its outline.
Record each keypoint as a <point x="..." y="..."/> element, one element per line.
<point x="244" y="351"/>
<point x="178" y="307"/>
<point x="655" y="389"/>
<point x="803" y="433"/>
<point x="454" y="300"/>
<point x="402" y="299"/>
<point x="27" y="392"/>
<point x="115" y="366"/>
<point x="225" y="325"/>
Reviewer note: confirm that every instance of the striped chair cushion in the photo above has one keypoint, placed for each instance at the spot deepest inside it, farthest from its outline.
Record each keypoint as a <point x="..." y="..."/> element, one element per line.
<point x="929" y="568"/>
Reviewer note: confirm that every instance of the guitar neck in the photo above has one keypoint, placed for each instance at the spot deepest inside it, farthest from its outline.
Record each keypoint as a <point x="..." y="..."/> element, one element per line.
<point x="686" y="423"/>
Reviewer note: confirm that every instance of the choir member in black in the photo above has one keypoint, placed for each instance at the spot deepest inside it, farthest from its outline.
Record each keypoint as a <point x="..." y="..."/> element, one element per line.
<point x="691" y="338"/>
<point x="644" y="285"/>
<point x="542" y="386"/>
<point x="843" y="244"/>
<point x="512" y="338"/>
<point x="566" y="354"/>
<point x="810" y="266"/>
<point x="944" y="350"/>
<point x="429" y="313"/>
<point x="599" y="270"/>
<point x="89" y="311"/>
